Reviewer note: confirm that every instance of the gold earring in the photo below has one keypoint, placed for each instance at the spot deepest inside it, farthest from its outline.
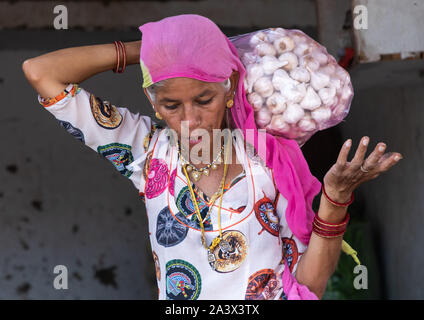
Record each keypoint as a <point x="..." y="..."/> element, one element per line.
<point x="230" y="103"/>
<point x="157" y="114"/>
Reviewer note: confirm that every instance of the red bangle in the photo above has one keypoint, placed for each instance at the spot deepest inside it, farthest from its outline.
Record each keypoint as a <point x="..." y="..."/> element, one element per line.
<point x="117" y="56"/>
<point x="338" y="204"/>
<point x="328" y="236"/>
<point x="330" y="225"/>
<point x="124" y="54"/>
<point x="316" y="226"/>
<point x="329" y="230"/>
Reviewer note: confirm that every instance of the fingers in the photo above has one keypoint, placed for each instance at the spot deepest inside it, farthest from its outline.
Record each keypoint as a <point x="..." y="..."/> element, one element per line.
<point x="344" y="152"/>
<point x="375" y="156"/>
<point x="388" y="160"/>
<point x="377" y="161"/>
<point x="358" y="159"/>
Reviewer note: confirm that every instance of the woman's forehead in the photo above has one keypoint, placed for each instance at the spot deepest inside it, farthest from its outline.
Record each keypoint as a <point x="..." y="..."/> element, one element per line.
<point x="179" y="88"/>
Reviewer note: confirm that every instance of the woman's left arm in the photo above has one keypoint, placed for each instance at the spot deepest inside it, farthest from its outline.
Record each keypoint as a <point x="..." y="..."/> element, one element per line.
<point x="321" y="257"/>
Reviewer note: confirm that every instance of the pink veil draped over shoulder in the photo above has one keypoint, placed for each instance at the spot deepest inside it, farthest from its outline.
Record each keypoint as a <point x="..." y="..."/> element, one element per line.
<point x="193" y="46"/>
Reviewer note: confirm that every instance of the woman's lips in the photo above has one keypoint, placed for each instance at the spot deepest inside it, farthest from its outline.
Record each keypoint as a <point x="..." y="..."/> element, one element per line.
<point x="195" y="140"/>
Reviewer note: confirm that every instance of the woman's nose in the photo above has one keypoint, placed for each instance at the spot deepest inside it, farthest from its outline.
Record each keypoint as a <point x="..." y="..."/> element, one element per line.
<point x="192" y="117"/>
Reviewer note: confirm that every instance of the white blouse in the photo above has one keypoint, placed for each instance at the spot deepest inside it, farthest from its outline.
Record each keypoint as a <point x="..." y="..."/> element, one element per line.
<point x="252" y="214"/>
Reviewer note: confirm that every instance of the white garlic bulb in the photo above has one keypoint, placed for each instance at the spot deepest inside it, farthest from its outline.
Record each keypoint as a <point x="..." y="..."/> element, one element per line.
<point x="309" y="63"/>
<point x="276" y="103"/>
<point x="327" y="94"/>
<point x="342" y="74"/>
<point x="279" y="77"/>
<point x="319" y="56"/>
<point x="271" y="63"/>
<point x="265" y="49"/>
<point x="284" y="44"/>
<point x="293" y="113"/>
<point x="255" y="100"/>
<point x="263" y="117"/>
<point x="307" y="123"/>
<point x="275" y="34"/>
<point x="257" y="38"/>
<point x="333" y="103"/>
<point x="301" y="49"/>
<point x="336" y="83"/>
<point x="293" y="91"/>
<point x="278" y="124"/>
<point x="248" y="58"/>
<point x="347" y="92"/>
<point x="264" y="87"/>
<point x="321" y="115"/>
<point x="298" y="38"/>
<point x="319" y="80"/>
<point x="300" y="74"/>
<point x="329" y="69"/>
<point x="339" y="110"/>
<point x="290" y="58"/>
<point x="311" y="100"/>
<point x="254" y="72"/>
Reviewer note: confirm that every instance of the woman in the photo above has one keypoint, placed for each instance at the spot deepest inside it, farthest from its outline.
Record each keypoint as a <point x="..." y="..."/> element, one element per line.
<point x="239" y="224"/>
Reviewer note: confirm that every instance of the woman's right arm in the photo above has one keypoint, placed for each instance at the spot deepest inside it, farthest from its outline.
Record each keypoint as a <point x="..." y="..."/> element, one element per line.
<point x="50" y="73"/>
<point x="114" y="132"/>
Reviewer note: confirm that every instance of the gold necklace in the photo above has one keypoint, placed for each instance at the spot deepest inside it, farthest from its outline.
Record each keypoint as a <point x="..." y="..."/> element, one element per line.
<point x="196" y="174"/>
<point x="218" y="239"/>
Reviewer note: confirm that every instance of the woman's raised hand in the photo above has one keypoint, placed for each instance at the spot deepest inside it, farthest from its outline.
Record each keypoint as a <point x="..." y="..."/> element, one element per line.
<point x="344" y="176"/>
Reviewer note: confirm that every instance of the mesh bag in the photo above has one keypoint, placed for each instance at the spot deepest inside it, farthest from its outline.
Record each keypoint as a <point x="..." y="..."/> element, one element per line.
<point x="293" y="84"/>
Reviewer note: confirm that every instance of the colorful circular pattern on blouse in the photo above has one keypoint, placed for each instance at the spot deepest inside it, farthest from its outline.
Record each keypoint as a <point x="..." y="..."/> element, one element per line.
<point x="266" y="215"/>
<point x="261" y="285"/>
<point x="290" y="252"/>
<point x="172" y="182"/>
<point x="75" y="132"/>
<point x="169" y="231"/>
<point x="119" y="154"/>
<point x="105" y="114"/>
<point x="229" y="259"/>
<point x="185" y="205"/>
<point x="157" y="178"/>
<point x="183" y="281"/>
<point x="157" y="265"/>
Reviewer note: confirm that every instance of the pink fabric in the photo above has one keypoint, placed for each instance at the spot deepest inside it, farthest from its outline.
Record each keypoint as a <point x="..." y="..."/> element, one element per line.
<point x="293" y="289"/>
<point x="193" y="46"/>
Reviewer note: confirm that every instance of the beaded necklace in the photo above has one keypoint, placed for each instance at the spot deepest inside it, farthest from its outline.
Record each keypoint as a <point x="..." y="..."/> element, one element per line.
<point x="218" y="240"/>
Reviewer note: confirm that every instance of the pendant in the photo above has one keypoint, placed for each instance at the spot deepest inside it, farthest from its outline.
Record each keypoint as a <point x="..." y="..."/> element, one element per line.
<point x="211" y="259"/>
<point x="206" y="172"/>
<point x="195" y="175"/>
<point x="224" y="246"/>
<point x="225" y="249"/>
<point x="229" y="253"/>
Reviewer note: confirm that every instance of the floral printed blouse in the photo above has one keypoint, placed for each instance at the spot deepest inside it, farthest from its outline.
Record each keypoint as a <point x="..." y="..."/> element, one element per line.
<point x="260" y="245"/>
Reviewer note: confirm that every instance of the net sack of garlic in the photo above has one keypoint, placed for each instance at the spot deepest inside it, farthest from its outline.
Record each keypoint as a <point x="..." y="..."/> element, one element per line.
<point x="293" y="84"/>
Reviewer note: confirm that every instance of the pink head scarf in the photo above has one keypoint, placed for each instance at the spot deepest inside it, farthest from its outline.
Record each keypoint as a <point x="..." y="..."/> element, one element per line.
<point x="193" y="46"/>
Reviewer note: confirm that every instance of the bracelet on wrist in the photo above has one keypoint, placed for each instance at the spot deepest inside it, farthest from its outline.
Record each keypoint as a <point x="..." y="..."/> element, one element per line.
<point x="120" y="52"/>
<point x="329" y="230"/>
<point x="338" y="204"/>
